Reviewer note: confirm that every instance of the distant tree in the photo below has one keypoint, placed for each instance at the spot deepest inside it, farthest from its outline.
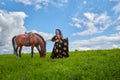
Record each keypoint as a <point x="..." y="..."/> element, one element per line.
<point x="76" y="50"/>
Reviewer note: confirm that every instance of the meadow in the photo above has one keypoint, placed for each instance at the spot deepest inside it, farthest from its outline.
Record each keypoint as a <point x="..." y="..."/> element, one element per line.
<point x="81" y="65"/>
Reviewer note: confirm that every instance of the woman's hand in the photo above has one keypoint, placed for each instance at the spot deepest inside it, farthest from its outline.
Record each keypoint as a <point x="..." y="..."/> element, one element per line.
<point x="48" y="40"/>
<point x="57" y="40"/>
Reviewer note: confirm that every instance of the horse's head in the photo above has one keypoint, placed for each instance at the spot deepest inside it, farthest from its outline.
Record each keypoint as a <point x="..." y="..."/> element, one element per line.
<point x="44" y="50"/>
<point x="42" y="44"/>
<point x="43" y="53"/>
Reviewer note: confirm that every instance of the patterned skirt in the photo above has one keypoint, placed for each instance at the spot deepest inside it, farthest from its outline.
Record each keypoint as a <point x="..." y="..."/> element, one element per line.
<point x="60" y="49"/>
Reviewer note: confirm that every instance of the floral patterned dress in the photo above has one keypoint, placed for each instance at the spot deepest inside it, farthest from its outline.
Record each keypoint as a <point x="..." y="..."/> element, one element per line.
<point x="60" y="48"/>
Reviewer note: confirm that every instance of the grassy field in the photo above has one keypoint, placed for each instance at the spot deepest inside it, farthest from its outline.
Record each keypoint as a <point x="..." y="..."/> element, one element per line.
<point x="81" y="65"/>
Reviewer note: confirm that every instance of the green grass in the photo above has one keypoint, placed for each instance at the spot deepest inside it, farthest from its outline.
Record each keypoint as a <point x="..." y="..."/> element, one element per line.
<point x="81" y="65"/>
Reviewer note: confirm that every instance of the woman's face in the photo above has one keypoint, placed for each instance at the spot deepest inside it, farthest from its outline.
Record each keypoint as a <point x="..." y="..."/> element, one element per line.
<point x="57" y="32"/>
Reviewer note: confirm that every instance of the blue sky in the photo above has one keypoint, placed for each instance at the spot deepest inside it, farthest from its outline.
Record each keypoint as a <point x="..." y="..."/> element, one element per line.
<point x="89" y="24"/>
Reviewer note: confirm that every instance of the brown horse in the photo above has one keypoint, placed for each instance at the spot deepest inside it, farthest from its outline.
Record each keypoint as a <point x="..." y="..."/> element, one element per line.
<point x="35" y="40"/>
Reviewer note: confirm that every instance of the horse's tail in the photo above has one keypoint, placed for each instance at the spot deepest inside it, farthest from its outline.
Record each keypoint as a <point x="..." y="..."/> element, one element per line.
<point x="13" y="44"/>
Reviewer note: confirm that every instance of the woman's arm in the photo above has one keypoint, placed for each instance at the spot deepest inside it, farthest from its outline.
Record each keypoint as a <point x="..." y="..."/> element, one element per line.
<point x="53" y="39"/>
<point x="48" y="40"/>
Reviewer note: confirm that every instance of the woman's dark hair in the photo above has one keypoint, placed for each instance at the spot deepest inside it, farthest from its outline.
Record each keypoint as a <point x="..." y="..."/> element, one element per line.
<point x="59" y="32"/>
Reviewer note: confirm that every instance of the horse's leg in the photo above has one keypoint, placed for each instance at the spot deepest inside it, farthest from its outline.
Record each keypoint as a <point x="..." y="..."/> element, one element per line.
<point x="39" y="50"/>
<point x="20" y="51"/>
<point x="32" y="51"/>
<point x="16" y="50"/>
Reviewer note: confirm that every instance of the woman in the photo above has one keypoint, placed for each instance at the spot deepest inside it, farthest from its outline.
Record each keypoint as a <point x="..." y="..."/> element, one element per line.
<point x="60" y="48"/>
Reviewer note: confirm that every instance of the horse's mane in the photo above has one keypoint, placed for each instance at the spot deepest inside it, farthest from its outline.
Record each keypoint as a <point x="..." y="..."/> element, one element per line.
<point x="41" y="38"/>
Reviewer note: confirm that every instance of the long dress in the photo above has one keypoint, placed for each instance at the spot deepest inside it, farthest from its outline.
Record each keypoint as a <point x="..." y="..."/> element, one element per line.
<point x="60" y="48"/>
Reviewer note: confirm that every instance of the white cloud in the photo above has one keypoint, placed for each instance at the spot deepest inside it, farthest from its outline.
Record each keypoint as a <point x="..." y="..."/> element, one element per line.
<point x="76" y="22"/>
<point x="38" y="4"/>
<point x="116" y="8"/>
<point x="84" y="2"/>
<point x="118" y="27"/>
<point x="62" y="2"/>
<point x="11" y="24"/>
<point x="46" y="36"/>
<point x="2" y="3"/>
<point x="118" y="18"/>
<point x="90" y="16"/>
<point x="58" y="3"/>
<point x="26" y="2"/>
<point x="116" y="11"/>
<point x="95" y="23"/>
<point x="37" y="7"/>
<point x="101" y="42"/>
